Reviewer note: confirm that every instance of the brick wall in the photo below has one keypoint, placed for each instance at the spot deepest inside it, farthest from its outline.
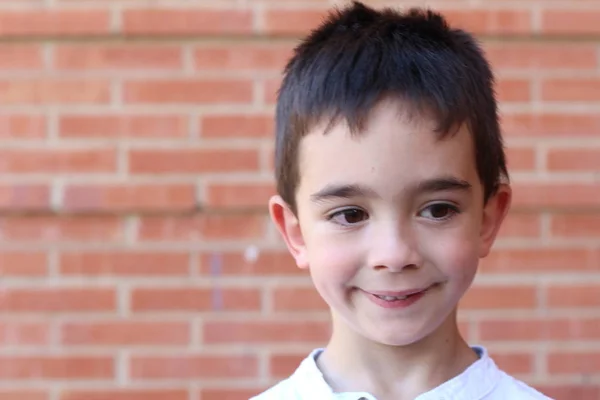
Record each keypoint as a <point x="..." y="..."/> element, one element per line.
<point x="136" y="257"/>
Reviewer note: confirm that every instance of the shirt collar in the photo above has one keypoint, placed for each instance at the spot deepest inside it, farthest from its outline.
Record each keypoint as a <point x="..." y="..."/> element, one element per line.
<point x="474" y="383"/>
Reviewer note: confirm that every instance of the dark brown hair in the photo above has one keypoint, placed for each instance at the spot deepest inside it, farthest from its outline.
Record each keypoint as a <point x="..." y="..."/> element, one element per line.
<point x="359" y="56"/>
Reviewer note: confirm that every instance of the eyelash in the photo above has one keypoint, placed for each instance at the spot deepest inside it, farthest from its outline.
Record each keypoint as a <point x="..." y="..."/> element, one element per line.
<point x="453" y="211"/>
<point x="334" y="214"/>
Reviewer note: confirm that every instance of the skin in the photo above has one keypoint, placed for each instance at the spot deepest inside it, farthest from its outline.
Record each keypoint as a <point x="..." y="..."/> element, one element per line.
<point x="392" y="209"/>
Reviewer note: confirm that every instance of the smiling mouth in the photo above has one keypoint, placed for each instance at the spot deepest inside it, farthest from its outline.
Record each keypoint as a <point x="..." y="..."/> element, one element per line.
<point x="392" y="298"/>
<point x="398" y="296"/>
<point x="398" y="299"/>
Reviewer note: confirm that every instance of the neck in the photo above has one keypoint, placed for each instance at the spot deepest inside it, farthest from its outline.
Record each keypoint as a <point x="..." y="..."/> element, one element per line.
<point x="395" y="372"/>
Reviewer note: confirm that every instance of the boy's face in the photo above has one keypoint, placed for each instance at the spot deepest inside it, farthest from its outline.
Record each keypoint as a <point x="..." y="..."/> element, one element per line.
<point x="390" y="212"/>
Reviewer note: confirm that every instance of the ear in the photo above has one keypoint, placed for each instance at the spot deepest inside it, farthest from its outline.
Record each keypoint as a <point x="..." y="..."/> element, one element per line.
<point x="289" y="227"/>
<point x="494" y="213"/>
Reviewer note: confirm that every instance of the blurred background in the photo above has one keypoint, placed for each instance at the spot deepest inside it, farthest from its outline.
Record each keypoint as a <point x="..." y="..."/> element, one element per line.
<point x="137" y="260"/>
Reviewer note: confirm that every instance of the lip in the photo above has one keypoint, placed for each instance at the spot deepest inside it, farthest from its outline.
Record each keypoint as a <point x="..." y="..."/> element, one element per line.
<point x="413" y="296"/>
<point x="401" y="293"/>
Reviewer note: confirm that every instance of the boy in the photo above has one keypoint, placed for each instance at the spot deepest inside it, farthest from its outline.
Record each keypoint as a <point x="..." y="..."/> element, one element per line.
<point x="392" y="184"/>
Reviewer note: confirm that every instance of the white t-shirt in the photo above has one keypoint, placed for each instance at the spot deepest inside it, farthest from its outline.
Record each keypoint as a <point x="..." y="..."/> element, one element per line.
<point x="482" y="380"/>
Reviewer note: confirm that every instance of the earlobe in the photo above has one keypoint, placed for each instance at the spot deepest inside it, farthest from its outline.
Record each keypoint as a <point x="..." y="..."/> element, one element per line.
<point x="494" y="213"/>
<point x="289" y="228"/>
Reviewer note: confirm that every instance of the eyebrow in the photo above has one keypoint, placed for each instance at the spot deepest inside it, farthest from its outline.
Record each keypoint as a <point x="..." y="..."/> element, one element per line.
<point x="335" y="191"/>
<point x="443" y="184"/>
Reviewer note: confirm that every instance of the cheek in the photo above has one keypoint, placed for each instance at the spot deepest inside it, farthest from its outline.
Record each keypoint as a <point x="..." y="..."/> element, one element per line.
<point x="332" y="260"/>
<point x="456" y="256"/>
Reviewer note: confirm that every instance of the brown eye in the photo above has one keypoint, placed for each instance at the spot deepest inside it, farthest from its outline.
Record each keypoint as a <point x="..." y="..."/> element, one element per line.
<point x="349" y="216"/>
<point x="440" y="211"/>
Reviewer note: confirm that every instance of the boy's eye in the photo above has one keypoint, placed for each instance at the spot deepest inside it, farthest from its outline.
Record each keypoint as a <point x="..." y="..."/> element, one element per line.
<point x="439" y="211"/>
<point x="349" y="216"/>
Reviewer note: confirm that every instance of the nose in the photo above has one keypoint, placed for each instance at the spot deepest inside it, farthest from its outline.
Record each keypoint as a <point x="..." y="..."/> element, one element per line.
<point x="394" y="248"/>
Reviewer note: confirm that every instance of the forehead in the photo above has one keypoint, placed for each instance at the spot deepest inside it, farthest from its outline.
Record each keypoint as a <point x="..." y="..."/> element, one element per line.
<point x="394" y="151"/>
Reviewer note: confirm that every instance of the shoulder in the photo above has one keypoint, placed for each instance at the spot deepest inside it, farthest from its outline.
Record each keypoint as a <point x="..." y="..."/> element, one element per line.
<point x="301" y="385"/>
<point x="484" y="380"/>
<point x="511" y="388"/>
<point x="284" y="390"/>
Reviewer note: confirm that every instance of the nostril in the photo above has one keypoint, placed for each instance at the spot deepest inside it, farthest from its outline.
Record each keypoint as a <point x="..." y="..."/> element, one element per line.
<point x="385" y="267"/>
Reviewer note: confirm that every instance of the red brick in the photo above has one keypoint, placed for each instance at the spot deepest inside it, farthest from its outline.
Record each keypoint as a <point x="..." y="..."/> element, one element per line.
<point x="125" y="333"/>
<point x="195" y="299"/>
<point x="574" y="363"/>
<point x="207" y="227"/>
<point x="22" y="126"/>
<point x="271" y="86"/>
<point x="129" y="97"/>
<point x="555" y="195"/>
<point x="574" y="296"/>
<point x="240" y="195"/>
<point x="297" y="299"/>
<point x="584" y="159"/>
<point x="23" y="264"/>
<point x="230" y="393"/>
<point x="579" y="392"/>
<point x="491" y="21"/>
<point x="54" y="91"/>
<point x="194" y="367"/>
<point x="575" y="225"/>
<point x="124" y="394"/>
<point x="575" y="89"/>
<point x="265" y="332"/>
<point x="551" y="125"/>
<point x="130" y="197"/>
<point x="56" y="367"/>
<point x="21" y="333"/>
<point x="268" y="262"/>
<point x="544" y="56"/>
<point x="480" y="21"/>
<point x="55" y="229"/>
<point x="243" y="57"/>
<point x="54" y="22"/>
<point x="481" y="297"/>
<point x="183" y="21"/>
<point x="182" y="91"/>
<point x="192" y="161"/>
<point x="15" y="394"/>
<point x="124" y="263"/>
<point x="24" y="197"/>
<point x="123" y="126"/>
<point x="567" y="21"/>
<point x="283" y="365"/>
<point x="80" y="160"/>
<point x="237" y="126"/>
<point x="515" y="363"/>
<point x="292" y="21"/>
<point x="20" y="57"/>
<point x="271" y="160"/>
<point x="109" y="57"/>
<point x="520" y="225"/>
<point x="80" y="299"/>
<point x="513" y="90"/>
<point x="520" y="158"/>
<point x="535" y="329"/>
<point x="541" y="260"/>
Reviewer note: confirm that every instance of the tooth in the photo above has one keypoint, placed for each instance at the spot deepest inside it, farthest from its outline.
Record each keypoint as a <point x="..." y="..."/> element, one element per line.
<point x="392" y="298"/>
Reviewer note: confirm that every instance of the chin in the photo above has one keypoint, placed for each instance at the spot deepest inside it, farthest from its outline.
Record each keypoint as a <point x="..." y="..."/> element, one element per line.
<point x="396" y="337"/>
